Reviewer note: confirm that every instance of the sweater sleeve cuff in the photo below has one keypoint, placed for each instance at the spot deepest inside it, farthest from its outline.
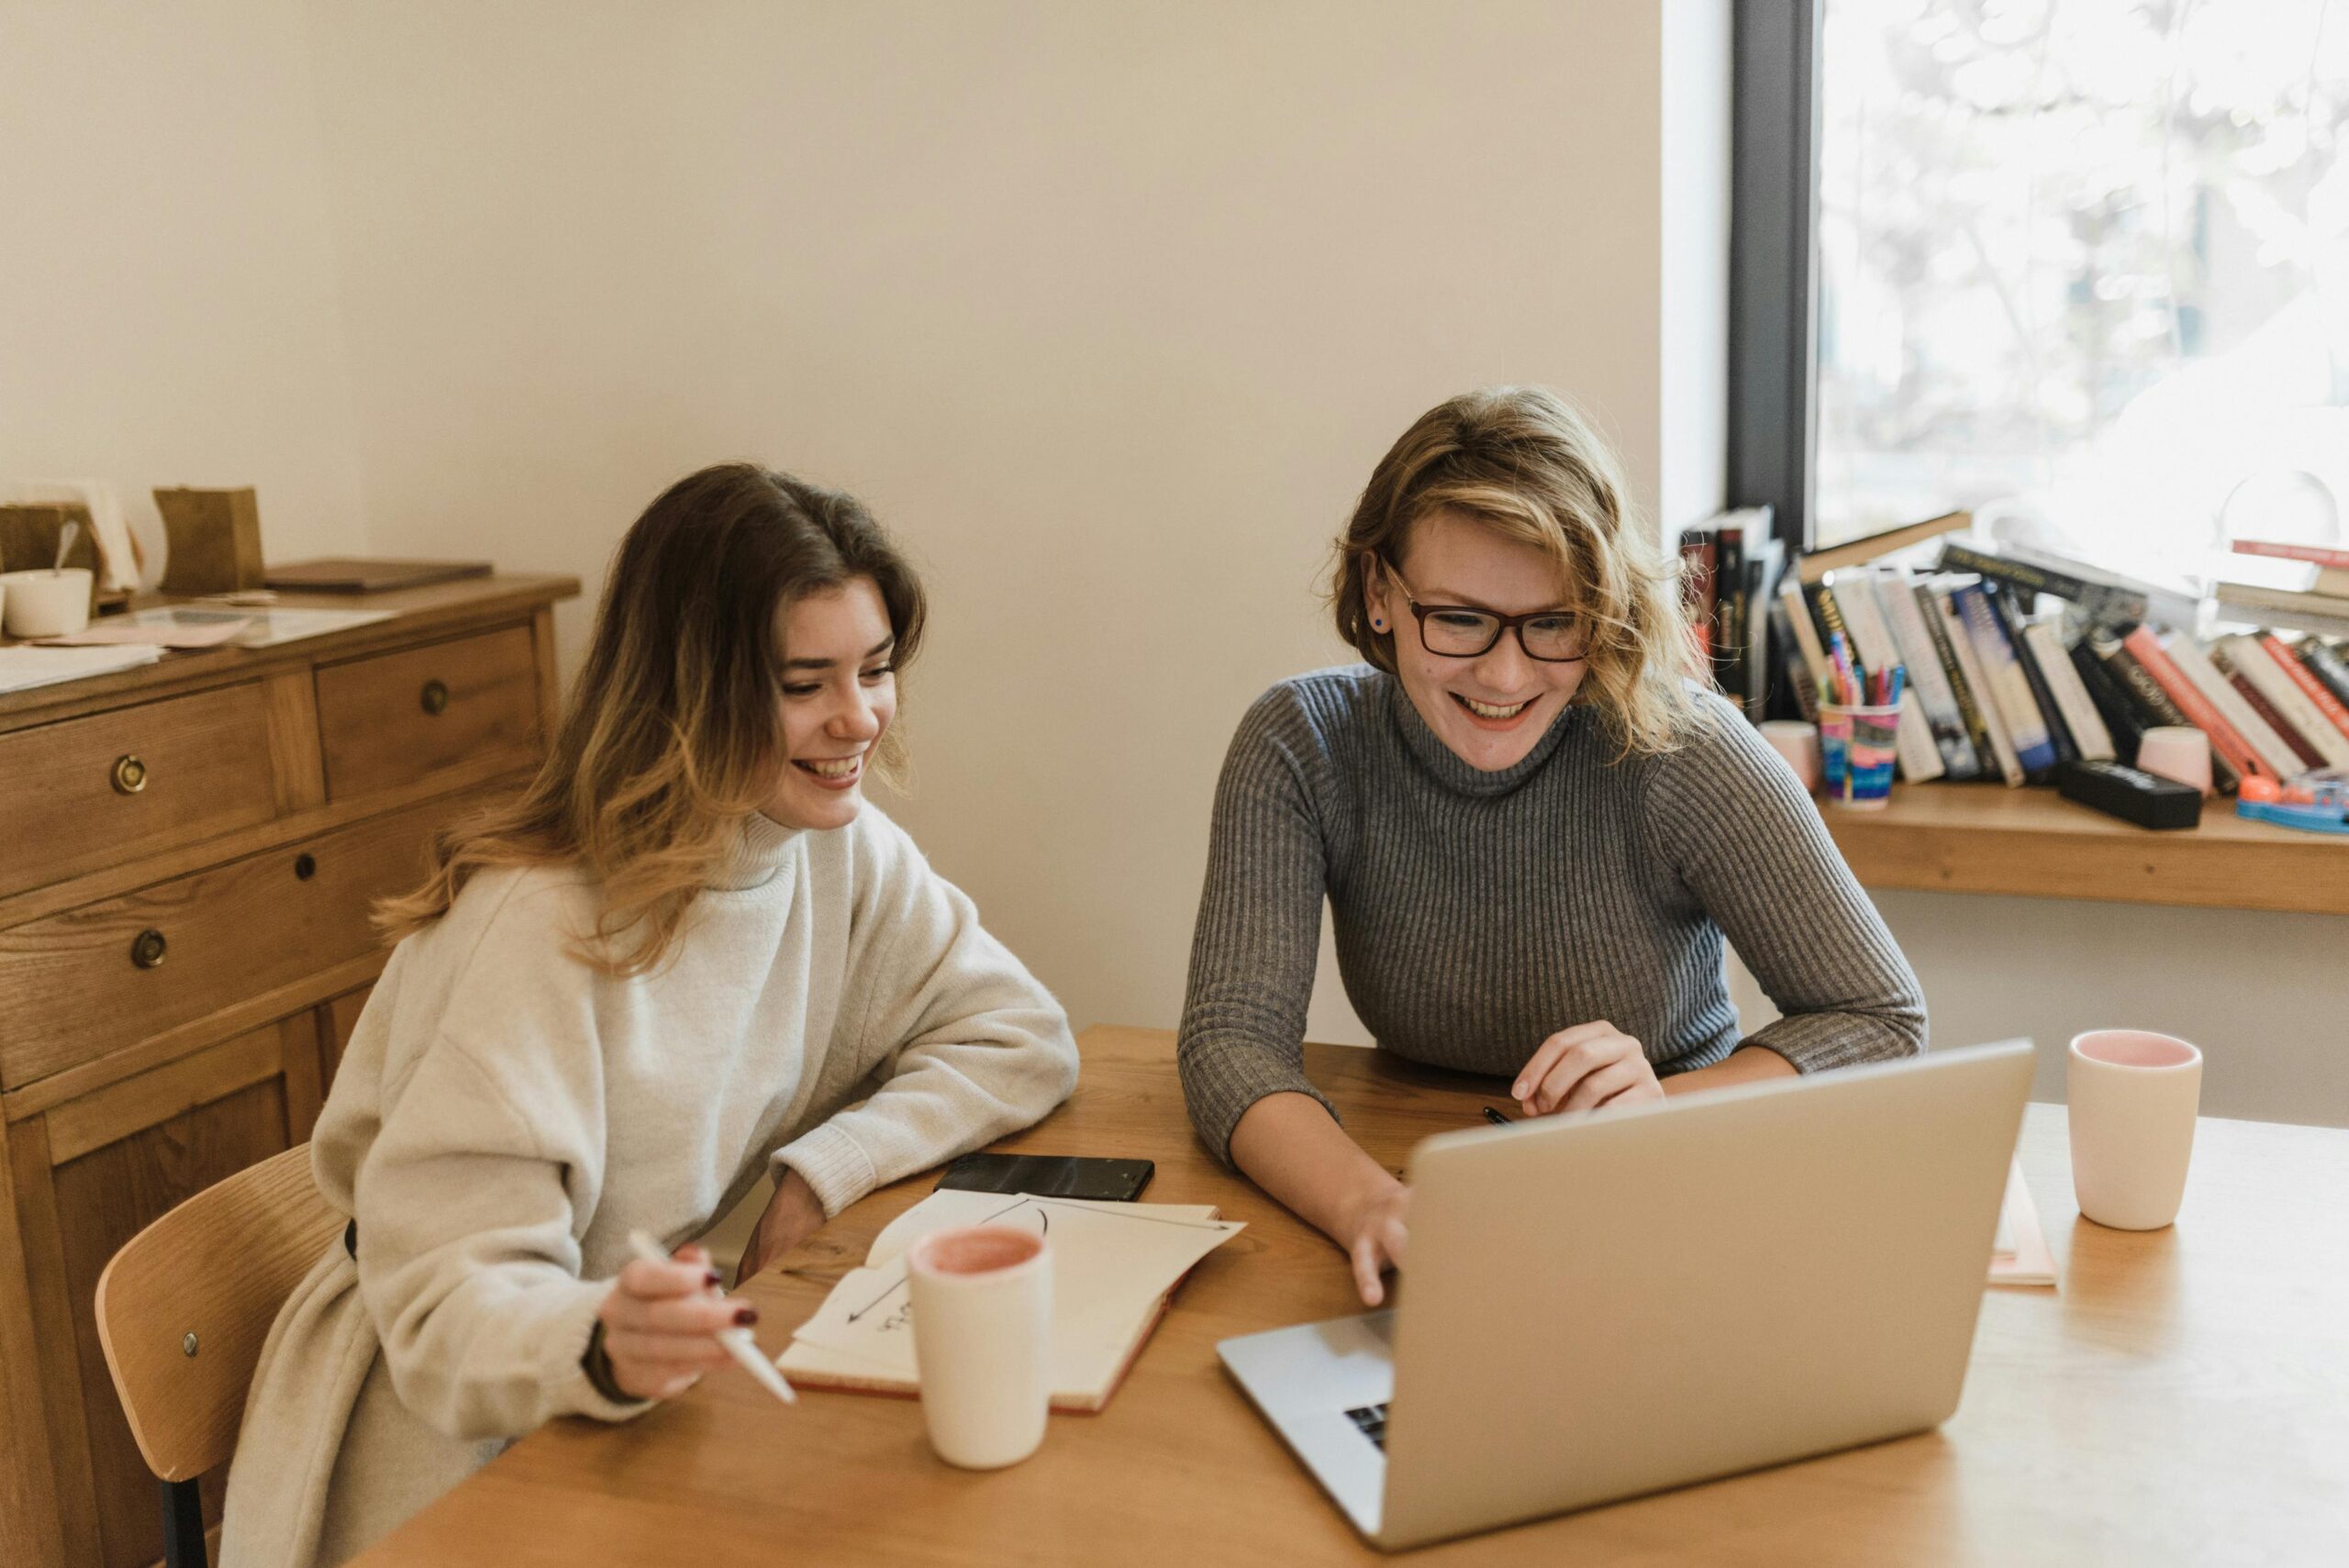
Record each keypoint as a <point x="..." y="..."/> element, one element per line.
<point x="1223" y="1084"/>
<point x="832" y="1164"/>
<point x="579" y="1389"/>
<point x="1813" y="1045"/>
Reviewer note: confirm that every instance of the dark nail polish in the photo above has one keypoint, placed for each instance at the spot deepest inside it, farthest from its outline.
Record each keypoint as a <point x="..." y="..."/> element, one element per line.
<point x="746" y="1316"/>
<point x="709" y="1277"/>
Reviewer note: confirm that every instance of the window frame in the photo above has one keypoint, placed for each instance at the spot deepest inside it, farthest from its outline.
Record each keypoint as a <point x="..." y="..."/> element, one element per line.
<point x="1773" y="458"/>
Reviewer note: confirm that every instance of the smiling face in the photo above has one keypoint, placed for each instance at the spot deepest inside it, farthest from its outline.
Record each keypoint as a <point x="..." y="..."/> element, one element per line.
<point x="839" y="692"/>
<point x="1490" y="710"/>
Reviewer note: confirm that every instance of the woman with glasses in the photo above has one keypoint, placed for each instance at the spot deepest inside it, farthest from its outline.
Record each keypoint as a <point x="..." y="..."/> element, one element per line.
<point x="1532" y="826"/>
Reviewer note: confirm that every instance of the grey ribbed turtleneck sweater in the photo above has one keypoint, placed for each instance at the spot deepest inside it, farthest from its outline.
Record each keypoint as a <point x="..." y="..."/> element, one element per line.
<point x="1478" y="913"/>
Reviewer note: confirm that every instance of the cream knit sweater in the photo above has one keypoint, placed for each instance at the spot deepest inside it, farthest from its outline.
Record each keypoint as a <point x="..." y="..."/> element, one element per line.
<point x="505" y="1116"/>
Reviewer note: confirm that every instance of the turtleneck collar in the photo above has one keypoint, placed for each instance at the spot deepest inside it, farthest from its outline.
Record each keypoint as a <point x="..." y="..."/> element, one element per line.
<point x="1445" y="766"/>
<point x="757" y="854"/>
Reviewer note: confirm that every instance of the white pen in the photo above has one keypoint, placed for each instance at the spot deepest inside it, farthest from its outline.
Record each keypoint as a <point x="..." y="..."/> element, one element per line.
<point x="739" y="1342"/>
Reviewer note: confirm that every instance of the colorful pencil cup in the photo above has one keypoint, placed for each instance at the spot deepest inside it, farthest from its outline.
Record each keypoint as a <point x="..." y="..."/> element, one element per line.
<point x="1856" y="752"/>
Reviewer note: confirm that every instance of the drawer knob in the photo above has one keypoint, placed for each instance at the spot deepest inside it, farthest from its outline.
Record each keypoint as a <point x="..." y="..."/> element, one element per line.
<point x="305" y="866"/>
<point x="129" y="774"/>
<point x="147" y="950"/>
<point x="436" y="697"/>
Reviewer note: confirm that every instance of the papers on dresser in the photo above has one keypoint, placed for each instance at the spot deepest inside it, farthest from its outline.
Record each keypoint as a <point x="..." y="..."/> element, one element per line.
<point x="161" y="628"/>
<point x="192" y="626"/>
<point x="1113" y="1267"/>
<point x="25" y="665"/>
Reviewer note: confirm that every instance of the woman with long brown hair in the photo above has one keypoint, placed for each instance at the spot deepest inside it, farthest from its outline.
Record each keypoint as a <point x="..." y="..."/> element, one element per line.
<point x="688" y="955"/>
<point x="1532" y="826"/>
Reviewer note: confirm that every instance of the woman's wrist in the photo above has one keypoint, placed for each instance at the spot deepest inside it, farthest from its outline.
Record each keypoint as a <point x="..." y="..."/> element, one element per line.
<point x="597" y="1363"/>
<point x="1373" y="1188"/>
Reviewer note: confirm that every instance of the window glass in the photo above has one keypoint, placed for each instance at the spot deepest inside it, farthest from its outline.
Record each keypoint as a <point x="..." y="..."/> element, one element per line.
<point x="2084" y="268"/>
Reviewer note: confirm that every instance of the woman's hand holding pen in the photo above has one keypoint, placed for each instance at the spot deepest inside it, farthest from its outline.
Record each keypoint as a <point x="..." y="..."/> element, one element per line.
<point x="661" y="1324"/>
<point x="1582" y="1068"/>
<point x="1374" y="1235"/>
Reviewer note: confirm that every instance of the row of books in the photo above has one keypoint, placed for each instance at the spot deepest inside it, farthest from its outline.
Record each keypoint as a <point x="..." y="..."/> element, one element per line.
<point x="1730" y="568"/>
<point x="1994" y="688"/>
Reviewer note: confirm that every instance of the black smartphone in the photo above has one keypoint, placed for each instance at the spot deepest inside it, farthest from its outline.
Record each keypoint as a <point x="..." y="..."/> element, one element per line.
<point x="1050" y="1175"/>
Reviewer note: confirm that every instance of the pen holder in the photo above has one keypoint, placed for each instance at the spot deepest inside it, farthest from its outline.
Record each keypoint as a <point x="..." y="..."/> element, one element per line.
<point x="1856" y="752"/>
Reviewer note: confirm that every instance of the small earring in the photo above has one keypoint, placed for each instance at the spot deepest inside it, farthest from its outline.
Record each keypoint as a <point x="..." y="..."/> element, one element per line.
<point x="1377" y="625"/>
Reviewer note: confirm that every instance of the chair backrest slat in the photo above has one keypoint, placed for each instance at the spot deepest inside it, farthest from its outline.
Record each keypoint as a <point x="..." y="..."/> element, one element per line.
<point x="218" y="1267"/>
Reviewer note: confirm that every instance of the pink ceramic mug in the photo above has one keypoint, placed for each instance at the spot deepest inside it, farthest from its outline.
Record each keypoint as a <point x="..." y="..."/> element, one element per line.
<point x="2133" y="1096"/>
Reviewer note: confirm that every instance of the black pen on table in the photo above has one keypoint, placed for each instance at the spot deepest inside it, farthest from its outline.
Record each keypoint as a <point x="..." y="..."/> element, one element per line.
<point x="1496" y="1117"/>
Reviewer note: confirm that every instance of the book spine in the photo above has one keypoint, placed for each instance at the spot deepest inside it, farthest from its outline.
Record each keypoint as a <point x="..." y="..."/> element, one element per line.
<point x="2159" y="708"/>
<point x="2157" y="704"/>
<point x="1897" y="606"/>
<point x="1969" y="711"/>
<point x="2319" y="554"/>
<point x="2269" y="746"/>
<point x="2319" y="695"/>
<point x="1728" y="620"/>
<point x="1790" y="660"/>
<point x="2273" y="671"/>
<point x="2196" y="707"/>
<point x="2062" y="681"/>
<point x="2120" y="718"/>
<point x="1764" y="556"/>
<point x="2318" y="658"/>
<point x="1696" y="590"/>
<point x="1978" y="676"/>
<point x="2010" y="621"/>
<point x="2303" y="756"/>
<point x="2102" y="601"/>
<point x="2009" y="687"/>
<point x="1806" y="630"/>
<point x="1912" y="734"/>
<point x="1831" y="625"/>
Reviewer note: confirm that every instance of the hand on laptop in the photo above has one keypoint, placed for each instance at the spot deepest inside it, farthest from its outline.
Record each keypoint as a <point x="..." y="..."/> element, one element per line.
<point x="1585" y="1067"/>
<point x="1373" y="1237"/>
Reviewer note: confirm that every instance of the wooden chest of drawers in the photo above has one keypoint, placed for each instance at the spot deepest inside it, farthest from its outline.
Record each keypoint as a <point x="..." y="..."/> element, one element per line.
<point x="189" y="855"/>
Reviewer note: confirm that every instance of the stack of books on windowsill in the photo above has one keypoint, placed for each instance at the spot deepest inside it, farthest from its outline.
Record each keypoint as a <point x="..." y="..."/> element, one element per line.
<point x="2016" y="659"/>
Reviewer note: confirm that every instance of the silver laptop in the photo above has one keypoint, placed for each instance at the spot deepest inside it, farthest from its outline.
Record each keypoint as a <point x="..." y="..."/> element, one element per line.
<point x="1595" y="1307"/>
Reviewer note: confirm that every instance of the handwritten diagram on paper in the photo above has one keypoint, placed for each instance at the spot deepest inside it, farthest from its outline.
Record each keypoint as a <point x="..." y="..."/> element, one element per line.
<point x="1112" y="1263"/>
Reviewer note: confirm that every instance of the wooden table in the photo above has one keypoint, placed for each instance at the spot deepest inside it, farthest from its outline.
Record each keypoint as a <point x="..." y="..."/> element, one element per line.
<point x="2184" y="1398"/>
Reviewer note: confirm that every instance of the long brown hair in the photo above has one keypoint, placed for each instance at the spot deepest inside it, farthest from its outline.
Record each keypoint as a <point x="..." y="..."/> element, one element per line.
<point x="1518" y="459"/>
<point x="672" y="734"/>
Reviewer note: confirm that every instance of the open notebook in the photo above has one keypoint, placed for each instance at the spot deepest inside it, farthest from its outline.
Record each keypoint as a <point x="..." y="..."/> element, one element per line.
<point x="1113" y="1267"/>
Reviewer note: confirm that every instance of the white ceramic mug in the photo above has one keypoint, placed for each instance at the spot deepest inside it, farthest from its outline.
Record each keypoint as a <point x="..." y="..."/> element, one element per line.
<point x="2132" y="1097"/>
<point x="46" y="604"/>
<point x="983" y="1319"/>
<point x="1797" y="742"/>
<point x="2177" y="752"/>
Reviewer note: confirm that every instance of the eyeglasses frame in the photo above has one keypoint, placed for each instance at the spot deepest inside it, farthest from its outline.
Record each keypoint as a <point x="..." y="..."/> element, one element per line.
<point x="1506" y="624"/>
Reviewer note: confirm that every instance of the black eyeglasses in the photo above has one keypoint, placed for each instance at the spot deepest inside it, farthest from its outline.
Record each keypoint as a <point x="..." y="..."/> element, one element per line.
<point x="1463" y="632"/>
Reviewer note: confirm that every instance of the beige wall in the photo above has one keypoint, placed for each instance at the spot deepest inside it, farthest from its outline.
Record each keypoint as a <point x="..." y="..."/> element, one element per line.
<point x="1107" y="308"/>
<point x="168" y="307"/>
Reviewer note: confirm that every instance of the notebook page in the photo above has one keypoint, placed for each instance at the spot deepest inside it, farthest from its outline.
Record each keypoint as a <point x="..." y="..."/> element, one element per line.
<point x="1111" y="1265"/>
<point x="2029" y="1262"/>
<point x="951" y="1207"/>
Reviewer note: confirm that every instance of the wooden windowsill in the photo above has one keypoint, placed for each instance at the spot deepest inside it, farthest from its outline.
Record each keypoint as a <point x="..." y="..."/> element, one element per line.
<point x="1981" y="837"/>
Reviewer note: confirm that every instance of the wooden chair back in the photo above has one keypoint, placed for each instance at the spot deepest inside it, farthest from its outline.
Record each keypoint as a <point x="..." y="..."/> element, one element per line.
<point x="182" y="1309"/>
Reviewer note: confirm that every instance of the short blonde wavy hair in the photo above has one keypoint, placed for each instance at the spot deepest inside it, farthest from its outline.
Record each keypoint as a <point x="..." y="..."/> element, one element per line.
<point x="1520" y="460"/>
